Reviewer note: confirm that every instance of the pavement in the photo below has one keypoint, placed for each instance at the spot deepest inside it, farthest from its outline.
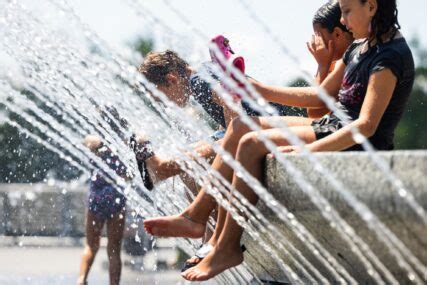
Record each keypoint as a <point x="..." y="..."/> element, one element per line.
<point x="47" y="261"/>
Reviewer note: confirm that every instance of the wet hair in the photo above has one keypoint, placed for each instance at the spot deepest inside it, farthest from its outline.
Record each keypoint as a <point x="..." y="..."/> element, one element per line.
<point x="385" y="20"/>
<point x="157" y="65"/>
<point x="329" y="16"/>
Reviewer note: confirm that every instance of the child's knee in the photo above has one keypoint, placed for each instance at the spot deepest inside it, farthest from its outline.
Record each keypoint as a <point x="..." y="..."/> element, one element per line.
<point x="249" y="142"/>
<point x="238" y="126"/>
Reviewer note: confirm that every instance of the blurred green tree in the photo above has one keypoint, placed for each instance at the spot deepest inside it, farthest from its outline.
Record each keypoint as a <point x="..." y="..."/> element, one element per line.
<point x="143" y="45"/>
<point x="412" y="131"/>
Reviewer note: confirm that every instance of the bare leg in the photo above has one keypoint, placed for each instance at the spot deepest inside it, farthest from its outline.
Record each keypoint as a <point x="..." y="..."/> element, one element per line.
<point x="192" y="222"/>
<point x="115" y="227"/>
<point x="93" y="236"/>
<point x="200" y="209"/>
<point x="265" y="123"/>
<point x="205" y="150"/>
<point x="227" y="252"/>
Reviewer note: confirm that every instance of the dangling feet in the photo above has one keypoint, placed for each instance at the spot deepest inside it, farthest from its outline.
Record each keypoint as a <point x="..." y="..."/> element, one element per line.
<point x="201" y="253"/>
<point x="175" y="226"/>
<point x="217" y="261"/>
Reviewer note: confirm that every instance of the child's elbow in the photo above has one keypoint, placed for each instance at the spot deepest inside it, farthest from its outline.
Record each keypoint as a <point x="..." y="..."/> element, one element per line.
<point x="368" y="128"/>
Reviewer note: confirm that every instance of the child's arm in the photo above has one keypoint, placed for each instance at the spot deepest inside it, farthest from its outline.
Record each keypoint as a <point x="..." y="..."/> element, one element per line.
<point x="380" y="90"/>
<point x="322" y="73"/>
<point x="305" y="97"/>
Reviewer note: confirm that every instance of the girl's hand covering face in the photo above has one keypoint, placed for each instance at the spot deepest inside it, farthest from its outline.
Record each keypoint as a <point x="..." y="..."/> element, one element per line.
<point x="323" y="53"/>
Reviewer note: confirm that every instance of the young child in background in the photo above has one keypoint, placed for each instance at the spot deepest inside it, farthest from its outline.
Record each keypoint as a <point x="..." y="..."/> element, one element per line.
<point x="106" y="206"/>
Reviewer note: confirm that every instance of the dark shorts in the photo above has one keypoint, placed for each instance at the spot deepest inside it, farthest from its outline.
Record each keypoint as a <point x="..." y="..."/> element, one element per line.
<point x="326" y="126"/>
<point x="105" y="202"/>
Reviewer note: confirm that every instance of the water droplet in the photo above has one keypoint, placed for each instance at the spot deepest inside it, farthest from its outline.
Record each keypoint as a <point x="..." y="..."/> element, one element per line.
<point x="294" y="276"/>
<point x="51" y="182"/>
<point x="402" y="192"/>
<point x="359" y="138"/>
<point x="411" y="276"/>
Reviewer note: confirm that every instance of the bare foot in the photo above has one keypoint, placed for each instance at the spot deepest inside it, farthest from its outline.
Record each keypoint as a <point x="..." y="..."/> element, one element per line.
<point x="193" y="260"/>
<point x="174" y="226"/>
<point x="201" y="253"/>
<point x="217" y="261"/>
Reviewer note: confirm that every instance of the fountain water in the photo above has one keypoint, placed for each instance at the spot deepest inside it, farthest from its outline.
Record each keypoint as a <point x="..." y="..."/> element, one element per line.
<point x="383" y="232"/>
<point x="97" y="75"/>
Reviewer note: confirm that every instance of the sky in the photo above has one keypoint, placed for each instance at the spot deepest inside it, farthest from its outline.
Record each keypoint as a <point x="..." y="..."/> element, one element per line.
<point x="120" y="23"/>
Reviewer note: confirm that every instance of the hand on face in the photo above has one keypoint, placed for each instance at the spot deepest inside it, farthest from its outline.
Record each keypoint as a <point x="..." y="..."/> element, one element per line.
<point x="322" y="52"/>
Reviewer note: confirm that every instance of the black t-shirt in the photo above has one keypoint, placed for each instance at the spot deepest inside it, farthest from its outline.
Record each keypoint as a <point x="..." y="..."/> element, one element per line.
<point x="202" y="93"/>
<point x="394" y="55"/>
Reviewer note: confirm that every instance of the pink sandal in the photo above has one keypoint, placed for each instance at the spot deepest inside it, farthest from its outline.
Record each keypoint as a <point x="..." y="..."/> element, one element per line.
<point x="238" y="62"/>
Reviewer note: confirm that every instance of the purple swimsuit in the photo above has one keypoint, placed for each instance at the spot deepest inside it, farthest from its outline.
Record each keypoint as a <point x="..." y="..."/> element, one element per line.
<point x="104" y="200"/>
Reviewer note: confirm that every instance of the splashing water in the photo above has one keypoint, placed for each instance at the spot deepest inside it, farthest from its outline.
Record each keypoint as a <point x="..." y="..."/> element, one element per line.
<point x="35" y="76"/>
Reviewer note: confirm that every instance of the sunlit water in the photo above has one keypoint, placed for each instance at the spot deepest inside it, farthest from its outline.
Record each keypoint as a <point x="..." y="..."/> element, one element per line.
<point x="48" y="65"/>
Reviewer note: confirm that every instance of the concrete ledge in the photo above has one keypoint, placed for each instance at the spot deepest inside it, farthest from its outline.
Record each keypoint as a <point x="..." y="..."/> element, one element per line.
<point x="363" y="179"/>
<point x="43" y="210"/>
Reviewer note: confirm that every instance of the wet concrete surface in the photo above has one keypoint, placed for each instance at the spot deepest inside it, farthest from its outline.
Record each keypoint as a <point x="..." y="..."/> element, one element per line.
<point x="60" y="265"/>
